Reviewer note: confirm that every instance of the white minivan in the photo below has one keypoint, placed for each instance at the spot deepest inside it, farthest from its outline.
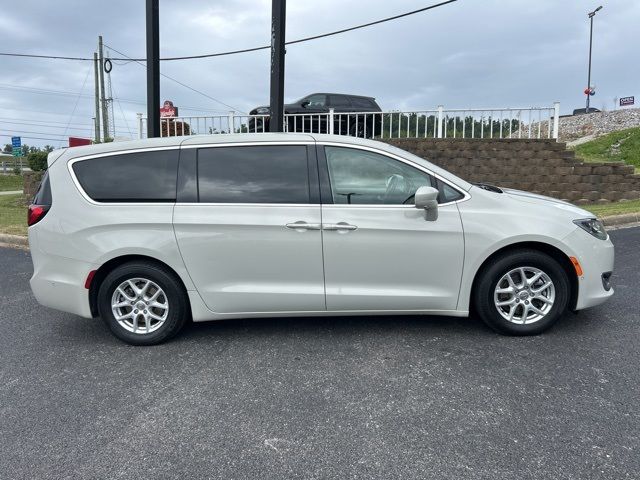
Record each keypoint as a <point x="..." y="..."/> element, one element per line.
<point x="148" y="234"/>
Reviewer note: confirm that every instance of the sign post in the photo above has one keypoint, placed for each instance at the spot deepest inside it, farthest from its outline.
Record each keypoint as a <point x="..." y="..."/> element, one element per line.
<point x="16" y="144"/>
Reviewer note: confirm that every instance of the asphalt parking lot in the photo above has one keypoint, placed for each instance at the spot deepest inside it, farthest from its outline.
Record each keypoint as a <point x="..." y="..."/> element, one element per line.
<point x="385" y="397"/>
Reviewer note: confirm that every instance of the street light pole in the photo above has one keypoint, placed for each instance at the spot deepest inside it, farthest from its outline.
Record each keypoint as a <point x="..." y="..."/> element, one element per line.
<point x="153" y="68"/>
<point x="591" y="15"/>
<point x="276" y="100"/>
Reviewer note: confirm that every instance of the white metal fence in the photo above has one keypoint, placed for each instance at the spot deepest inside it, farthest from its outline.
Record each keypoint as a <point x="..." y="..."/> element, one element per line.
<point x="495" y="123"/>
<point x="13" y="164"/>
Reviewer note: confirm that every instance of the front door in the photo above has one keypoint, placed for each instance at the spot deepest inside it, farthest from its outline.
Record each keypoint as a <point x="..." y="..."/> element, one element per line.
<point x="380" y="252"/>
<point x="252" y="240"/>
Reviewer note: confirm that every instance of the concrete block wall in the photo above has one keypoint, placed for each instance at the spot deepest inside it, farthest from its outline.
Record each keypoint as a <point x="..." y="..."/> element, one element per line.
<point x="539" y="166"/>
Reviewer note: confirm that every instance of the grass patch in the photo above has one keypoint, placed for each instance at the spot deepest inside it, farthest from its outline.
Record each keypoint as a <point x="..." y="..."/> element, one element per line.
<point x="13" y="215"/>
<point x="621" y="146"/>
<point x="617" y="208"/>
<point x="11" y="182"/>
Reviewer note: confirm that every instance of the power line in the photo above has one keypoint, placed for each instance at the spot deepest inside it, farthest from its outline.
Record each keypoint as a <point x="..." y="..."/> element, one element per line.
<point x="245" y="50"/>
<point x="33" y="138"/>
<point x="67" y="93"/>
<point x="75" y="106"/>
<point x="41" y="133"/>
<point x="84" y="127"/>
<point x="139" y="62"/>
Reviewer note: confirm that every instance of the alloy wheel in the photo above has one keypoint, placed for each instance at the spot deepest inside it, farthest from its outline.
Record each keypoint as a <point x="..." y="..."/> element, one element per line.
<point x="524" y="295"/>
<point x="139" y="305"/>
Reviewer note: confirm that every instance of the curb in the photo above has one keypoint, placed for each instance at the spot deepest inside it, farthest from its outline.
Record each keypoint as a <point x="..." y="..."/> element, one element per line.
<point x="14" y="240"/>
<point x="618" y="220"/>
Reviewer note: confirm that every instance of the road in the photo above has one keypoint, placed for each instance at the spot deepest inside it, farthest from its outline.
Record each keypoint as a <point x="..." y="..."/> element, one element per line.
<point x="406" y="397"/>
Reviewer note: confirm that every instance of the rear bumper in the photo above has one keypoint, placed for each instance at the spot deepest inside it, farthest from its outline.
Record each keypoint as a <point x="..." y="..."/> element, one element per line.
<point x="596" y="258"/>
<point x="58" y="282"/>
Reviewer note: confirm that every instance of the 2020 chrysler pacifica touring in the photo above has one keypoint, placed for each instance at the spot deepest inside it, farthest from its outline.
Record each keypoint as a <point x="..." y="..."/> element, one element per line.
<point x="147" y="234"/>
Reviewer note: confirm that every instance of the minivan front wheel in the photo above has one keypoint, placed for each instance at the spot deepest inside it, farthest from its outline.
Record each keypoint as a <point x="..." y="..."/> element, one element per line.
<point x="522" y="293"/>
<point x="142" y="303"/>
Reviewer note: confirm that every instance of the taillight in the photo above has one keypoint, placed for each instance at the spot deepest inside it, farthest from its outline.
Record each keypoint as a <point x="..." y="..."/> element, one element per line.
<point x="36" y="213"/>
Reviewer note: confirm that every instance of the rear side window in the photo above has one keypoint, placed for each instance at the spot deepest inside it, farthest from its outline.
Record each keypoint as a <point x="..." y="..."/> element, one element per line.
<point x="260" y="174"/>
<point x="130" y="177"/>
<point x="363" y="103"/>
<point x="339" y="101"/>
<point x="43" y="195"/>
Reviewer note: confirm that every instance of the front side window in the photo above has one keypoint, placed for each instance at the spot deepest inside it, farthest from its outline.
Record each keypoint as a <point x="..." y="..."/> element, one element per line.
<point x="363" y="177"/>
<point x="317" y="100"/>
<point x="256" y="174"/>
<point x="130" y="177"/>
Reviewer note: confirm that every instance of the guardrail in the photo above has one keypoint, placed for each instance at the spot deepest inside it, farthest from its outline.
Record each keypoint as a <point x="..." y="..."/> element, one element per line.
<point x="495" y="123"/>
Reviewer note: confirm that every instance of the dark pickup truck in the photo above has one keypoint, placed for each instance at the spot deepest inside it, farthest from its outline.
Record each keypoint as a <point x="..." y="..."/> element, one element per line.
<point x="354" y="115"/>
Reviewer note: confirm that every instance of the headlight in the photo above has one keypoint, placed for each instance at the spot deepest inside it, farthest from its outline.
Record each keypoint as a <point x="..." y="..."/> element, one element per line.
<point x="592" y="226"/>
<point x="262" y="110"/>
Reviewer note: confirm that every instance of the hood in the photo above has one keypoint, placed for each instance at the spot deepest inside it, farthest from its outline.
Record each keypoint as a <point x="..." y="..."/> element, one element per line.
<point x="542" y="200"/>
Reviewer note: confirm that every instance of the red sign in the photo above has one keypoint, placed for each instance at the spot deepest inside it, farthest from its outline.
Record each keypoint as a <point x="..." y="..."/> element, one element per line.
<point x="78" y="142"/>
<point x="168" y="110"/>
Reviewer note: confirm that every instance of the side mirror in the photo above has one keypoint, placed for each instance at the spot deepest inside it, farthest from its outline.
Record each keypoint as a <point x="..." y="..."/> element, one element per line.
<point x="427" y="199"/>
<point x="305" y="104"/>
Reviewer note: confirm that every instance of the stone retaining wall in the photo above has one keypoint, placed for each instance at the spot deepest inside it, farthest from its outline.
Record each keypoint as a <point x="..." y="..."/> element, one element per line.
<point x="539" y="166"/>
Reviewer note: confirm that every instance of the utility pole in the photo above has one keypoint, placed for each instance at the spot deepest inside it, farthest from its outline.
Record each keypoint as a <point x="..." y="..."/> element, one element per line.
<point x="278" y="24"/>
<point x="97" y="97"/>
<point x="591" y="15"/>
<point x="153" y="69"/>
<point x="103" y="101"/>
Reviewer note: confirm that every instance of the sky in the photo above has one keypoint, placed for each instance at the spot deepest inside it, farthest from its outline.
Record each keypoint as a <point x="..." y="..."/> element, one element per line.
<point x="468" y="54"/>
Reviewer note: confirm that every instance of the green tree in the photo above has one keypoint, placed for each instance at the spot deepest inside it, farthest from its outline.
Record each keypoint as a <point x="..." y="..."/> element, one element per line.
<point x="37" y="161"/>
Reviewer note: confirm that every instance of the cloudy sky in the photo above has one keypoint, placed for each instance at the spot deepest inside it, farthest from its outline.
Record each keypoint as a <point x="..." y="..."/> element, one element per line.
<point x="472" y="53"/>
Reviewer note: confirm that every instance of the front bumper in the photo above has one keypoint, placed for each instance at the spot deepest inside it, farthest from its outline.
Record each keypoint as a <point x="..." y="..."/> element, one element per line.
<point x="596" y="258"/>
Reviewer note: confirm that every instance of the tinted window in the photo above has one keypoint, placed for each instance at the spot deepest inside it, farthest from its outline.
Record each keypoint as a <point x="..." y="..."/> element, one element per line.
<point x="317" y="100"/>
<point x="264" y="174"/>
<point x="362" y="177"/>
<point x="339" y="101"/>
<point x="130" y="177"/>
<point x="448" y="193"/>
<point x="43" y="195"/>
<point x="363" y="103"/>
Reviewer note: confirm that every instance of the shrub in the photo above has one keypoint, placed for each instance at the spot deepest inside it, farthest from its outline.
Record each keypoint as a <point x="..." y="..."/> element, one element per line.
<point x="37" y="161"/>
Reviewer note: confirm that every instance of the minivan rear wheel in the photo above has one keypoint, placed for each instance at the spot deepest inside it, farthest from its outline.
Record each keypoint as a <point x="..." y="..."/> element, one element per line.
<point x="142" y="303"/>
<point x="522" y="293"/>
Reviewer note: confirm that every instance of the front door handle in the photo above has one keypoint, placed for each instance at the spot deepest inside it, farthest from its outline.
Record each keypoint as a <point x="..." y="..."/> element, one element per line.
<point x="301" y="226"/>
<point x="339" y="226"/>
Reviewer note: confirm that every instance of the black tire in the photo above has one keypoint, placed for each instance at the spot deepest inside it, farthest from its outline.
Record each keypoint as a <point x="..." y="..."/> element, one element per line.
<point x="488" y="278"/>
<point x="174" y="294"/>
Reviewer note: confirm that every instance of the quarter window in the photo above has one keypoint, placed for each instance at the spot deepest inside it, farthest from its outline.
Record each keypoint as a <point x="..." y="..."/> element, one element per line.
<point x="130" y="177"/>
<point x="260" y="174"/>
<point x="363" y="177"/>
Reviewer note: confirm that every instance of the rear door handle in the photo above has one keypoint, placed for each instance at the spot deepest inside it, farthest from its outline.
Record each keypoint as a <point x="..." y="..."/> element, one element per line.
<point x="301" y="226"/>
<point x="339" y="226"/>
